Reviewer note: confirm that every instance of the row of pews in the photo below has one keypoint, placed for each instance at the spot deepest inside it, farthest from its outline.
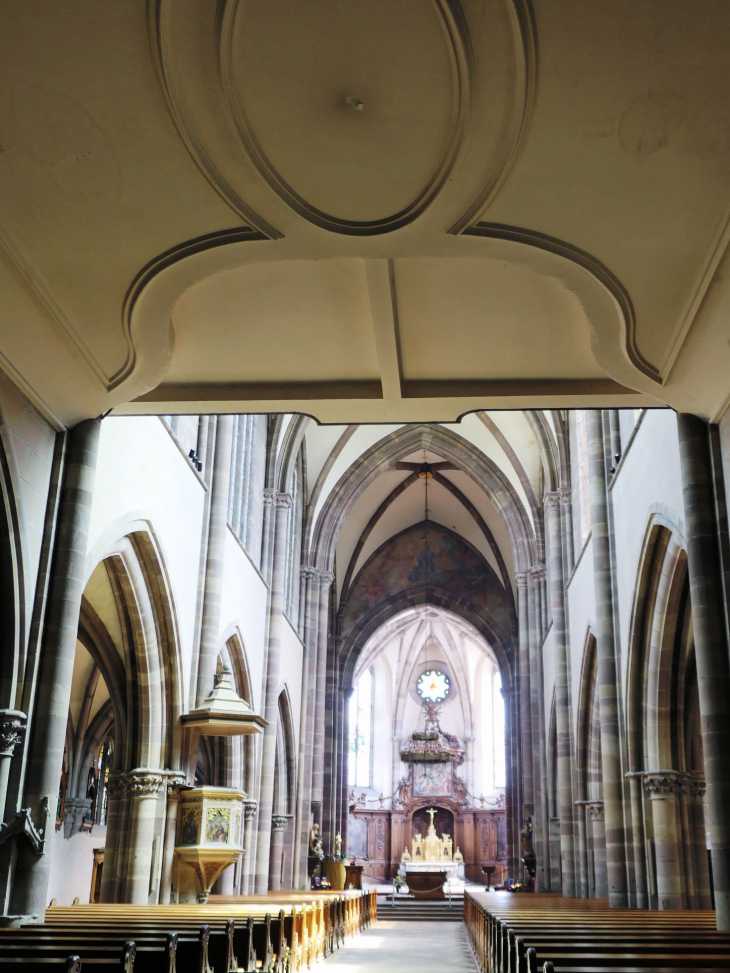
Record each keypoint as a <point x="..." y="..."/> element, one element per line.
<point x="513" y="933"/>
<point x="283" y="932"/>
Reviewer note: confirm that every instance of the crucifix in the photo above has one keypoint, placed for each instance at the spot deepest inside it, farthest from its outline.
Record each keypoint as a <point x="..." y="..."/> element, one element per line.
<point x="432" y="812"/>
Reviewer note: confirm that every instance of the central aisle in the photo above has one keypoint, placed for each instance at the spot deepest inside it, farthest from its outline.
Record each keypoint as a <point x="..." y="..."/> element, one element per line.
<point x="409" y="947"/>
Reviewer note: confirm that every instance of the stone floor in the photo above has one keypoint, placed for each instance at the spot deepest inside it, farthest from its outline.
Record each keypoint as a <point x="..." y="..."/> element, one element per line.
<point x="407" y="947"/>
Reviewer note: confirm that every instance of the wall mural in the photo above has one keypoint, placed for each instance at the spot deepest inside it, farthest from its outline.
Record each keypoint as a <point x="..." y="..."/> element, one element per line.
<point x="432" y="780"/>
<point x="447" y="562"/>
<point x="357" y="837"/>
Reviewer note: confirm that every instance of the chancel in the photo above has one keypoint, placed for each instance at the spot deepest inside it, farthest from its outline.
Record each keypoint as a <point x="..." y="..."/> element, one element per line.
<point x="364" y="463"/>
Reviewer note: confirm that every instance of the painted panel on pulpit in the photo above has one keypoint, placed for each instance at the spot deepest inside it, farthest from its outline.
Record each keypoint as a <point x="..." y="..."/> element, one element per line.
<point x="432" y="780"/>
<point x="357" y="837"/>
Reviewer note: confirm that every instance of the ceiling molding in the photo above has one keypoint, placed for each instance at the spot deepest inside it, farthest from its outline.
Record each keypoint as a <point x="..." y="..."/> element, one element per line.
<point x="515" y="234"/>
<point x="461" y="56"/>
<point x="524" y="35"/>
<point x="160" y="13"/>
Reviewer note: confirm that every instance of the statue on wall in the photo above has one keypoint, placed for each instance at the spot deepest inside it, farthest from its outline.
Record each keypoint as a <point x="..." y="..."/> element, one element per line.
<point x="338" y="844"/>
<point x="315" y="842"/>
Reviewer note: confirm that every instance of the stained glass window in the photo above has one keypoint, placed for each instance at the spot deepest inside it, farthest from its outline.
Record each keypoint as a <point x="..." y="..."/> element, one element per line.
<point x="498" y="730"/>
<point x="360" y="720"/>
<point x="433" y="686"/>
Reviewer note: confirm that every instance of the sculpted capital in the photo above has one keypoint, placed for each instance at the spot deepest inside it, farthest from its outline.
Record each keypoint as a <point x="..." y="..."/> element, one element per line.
<point x="284" y="501"/>
<point x="565" y="495"/>
<point x="141" y="783"/>
<point x="173" y="786"/>
<point x="278" y="822"/>
<point x="596" y="810"/>
<point x="326" y="578"/>
<point x="697" y="788"/>
<point x="269" y="497"/>
<point x="661" y="785"/>
<point x="551" y="500"/>
<point x="249" y="810"/>
<point x="521" y="579"/>
<point x="308" y="572"/>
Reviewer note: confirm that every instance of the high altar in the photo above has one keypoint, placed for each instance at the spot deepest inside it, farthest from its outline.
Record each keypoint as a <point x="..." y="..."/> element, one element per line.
<point x="431" y="850"/>
<point x="377" y="837"/>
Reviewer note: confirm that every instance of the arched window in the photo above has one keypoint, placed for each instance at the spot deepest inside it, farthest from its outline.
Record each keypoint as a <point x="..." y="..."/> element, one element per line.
<point x="240" y="493"/>
<point x="360" y="723"/>
<point x="584" y="500"/>
<point x="498" y="730"/>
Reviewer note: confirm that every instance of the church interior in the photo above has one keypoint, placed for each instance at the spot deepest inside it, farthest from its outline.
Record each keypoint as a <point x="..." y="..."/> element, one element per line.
<point x="365" y="465"/>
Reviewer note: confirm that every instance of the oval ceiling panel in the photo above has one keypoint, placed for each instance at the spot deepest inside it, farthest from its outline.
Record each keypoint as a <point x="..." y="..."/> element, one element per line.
<point x="353" y="112"/>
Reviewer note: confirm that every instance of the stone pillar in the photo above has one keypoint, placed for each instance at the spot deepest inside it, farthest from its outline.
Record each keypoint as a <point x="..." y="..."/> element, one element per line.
<point x="606" y="665"/>
<point x="173" y="800"/>
<point x="310" y="601"/>
<point x="711" y="650"/>
<point x="273" y="677"/>
<point x="144" y="787"/>
<point x="582" y="888"/>
<point x="214" y="564"/>
<point x="662" y="787"/>
<point x="278" y="827"/>
<point x="596" y="816"/>
<point x="523" y="629"/>
<point x="697" y="789"/>
<point x="637" y="838"/>
<point x="53" y="694"/>
<point x="12" y="728"/>
<point x="514" y="867"/>
<point x="248" y="836"/>
<point x="562" y="702"/>
<point x="115" y="788"/>
<point x="539" y="757"/>
<point x="325" y="581"/>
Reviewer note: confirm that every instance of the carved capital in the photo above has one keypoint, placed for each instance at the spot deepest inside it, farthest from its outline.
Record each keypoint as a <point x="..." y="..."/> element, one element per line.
<point x="284" y="501"/>
<point x="278" y="822"/>
<point x="565" y="496"/>
<point x="173" y="786"/>
<point x="596" y="810"/>
<point x="521" y="579"/>
<point x="662" y="784"/>
<point x="249" y="810"/>
<point x="12" y="728"/>
<point x="308" y="573"/>
<point x="142" y="783"/>
<point x="697" y="788"/>
<point x="116" y="784"/>
<point x="325" y="579"/>
<point x="538" y="572"/>
<point x="315" y="807"/>
<point x="551" y="500"/>
<point x="269" y="498"/>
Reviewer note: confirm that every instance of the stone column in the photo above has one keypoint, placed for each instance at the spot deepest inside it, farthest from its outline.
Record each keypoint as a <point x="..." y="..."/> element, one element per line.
<point x="514" y="866"/>
<point x="144" y="787"/>
<point x="12" y="728"/>
<point x="539" y="757"/>
<point x="114" y="819"/>
<point x="523" y="629"/>
<point x="325" y="581"/>
<point x="606" y="665"/>
<point x="596" y="816"/>
<point x="248" y="835"/>
<point x="562" y="702"/>
<point x="273" y="678"/>
<point x="209" y="630"/>
<point x="310" y="613"/>
<point x="662" y="787"/>
<point x="697" y="789"/>
<point x="173" y="800"/>
<point x="637" y="842"/>
<point x="53" y="694"/>
<point x="711" y="650"/>
<point x="278" y="827"/>
<point x="581" y="851"/>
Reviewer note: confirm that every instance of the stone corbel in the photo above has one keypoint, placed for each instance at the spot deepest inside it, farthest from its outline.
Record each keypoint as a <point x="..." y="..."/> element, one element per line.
<point x="662" y="784"/>
<point x="23" y="825"/>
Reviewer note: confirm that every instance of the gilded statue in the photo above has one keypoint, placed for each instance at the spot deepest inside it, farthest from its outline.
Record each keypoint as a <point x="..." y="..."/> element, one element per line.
<point x="315" y="842"/>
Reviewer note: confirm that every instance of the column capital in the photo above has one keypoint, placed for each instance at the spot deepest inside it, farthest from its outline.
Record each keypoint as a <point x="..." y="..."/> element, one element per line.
<point x="174" y="783"/>
<point x="279" y="822"/>
<point x="521" y="579"/>
<point x="325" y="579"/>
<point x="551" y="500"/>
<point x="662" y="783"/>
<point x="249" y="809"/>
<point x="308" y="572"/>
<point x="144" y="783"/>
<point x="116" y="784"/>
<point x="315" y="808"/>
<point x="596" y="810"/>
<point x="12" y="728"/>
<point x="697" y="788"/>
<point x="565" y="496"/>
<point x="538" y="572"/>
<point x="284" y="501"/>
<point x="269" y="497"/>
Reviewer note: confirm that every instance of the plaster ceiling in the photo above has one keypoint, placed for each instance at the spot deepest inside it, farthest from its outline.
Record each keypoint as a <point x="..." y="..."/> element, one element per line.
<point x="371" y="212"/>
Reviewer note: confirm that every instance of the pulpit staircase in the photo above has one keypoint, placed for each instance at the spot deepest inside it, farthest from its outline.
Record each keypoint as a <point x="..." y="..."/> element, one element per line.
<point x="407" y="908"/>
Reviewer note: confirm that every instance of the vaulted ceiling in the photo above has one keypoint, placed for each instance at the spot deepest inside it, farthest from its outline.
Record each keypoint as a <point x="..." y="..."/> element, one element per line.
<point x="368" y="212"/>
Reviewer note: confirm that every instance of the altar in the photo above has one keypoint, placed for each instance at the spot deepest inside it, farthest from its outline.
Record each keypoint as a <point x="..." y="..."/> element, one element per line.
<point x="430" y="853"/>
<point x="453" y="869"/>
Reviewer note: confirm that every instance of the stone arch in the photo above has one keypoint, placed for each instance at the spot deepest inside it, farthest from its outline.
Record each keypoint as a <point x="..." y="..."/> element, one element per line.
<point x="405" y="440"/>
<point x="13" y="594"/>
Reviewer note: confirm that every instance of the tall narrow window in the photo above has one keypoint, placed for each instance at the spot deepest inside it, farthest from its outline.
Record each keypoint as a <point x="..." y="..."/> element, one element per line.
<point x="581" y="435"/>
<point x="360" y="721"/>
<point x="498" y="730"/>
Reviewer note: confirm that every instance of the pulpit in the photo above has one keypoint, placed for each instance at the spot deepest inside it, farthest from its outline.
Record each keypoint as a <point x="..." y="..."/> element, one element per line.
<point x="209" y="837"/>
